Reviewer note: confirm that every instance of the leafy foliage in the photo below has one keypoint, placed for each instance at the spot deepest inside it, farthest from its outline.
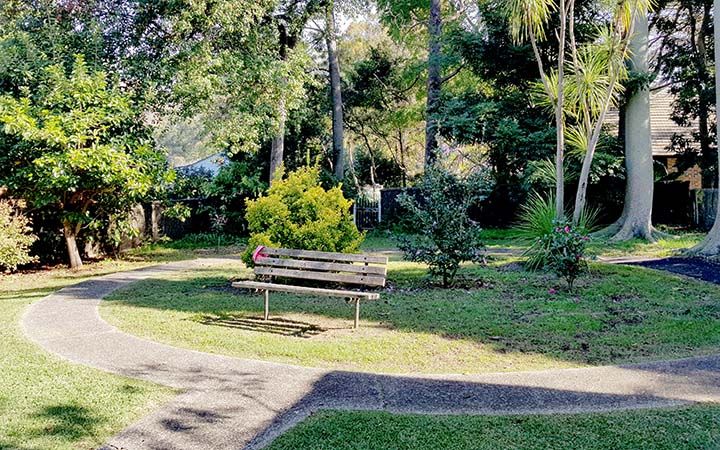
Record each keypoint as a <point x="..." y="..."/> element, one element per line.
<point x="688" y="65"/>
<point x="537" y="220"/>
<point x="565" y="248"/>
<point x="232" y="187"/>
<point x="444" y="234"/>
<point x="298" y="212"/>
<point x="15" y="237"/>
<point x="77" y="144"/>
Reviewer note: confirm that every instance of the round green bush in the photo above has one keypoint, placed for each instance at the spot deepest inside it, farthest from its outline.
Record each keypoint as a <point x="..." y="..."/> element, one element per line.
<point x="299" y="213"/>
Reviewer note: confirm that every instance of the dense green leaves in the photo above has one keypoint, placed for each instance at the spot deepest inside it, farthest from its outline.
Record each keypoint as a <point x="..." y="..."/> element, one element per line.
<point x="443" y="234"/>
<point x="299" y="213"/>
<point x="77" y="143"/>
<point x="15" y="237"/>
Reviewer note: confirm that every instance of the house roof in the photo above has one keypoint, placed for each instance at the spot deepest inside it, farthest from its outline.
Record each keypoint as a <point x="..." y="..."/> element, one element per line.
<point x="663" y="128"/>
<point x="211" y="164"/>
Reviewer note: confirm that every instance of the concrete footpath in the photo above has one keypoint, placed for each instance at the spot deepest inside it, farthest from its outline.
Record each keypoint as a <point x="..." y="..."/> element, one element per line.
<point x="238" y="403"/>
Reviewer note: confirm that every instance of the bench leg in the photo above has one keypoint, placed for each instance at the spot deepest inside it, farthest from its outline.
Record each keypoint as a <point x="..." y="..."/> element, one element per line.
<point x="267" y="304"/>
<point x="357" y="313"/>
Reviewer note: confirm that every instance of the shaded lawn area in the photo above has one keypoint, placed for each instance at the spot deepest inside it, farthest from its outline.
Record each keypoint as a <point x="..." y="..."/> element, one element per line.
<point x="501" y="318"/>
<point x="688" y="428"/>
<point x="48" y="403"/>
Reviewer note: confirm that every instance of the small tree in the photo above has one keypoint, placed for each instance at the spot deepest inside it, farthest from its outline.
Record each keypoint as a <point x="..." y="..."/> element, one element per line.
<point x="15" y="237"/>
<point x="444" y="236"/>
<point x="77" y="144"/>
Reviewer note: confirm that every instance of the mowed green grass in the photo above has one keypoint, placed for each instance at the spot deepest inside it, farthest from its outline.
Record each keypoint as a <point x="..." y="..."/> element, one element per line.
<point x="46" y="402"/>
<point x="673" y="243"/>
<point x="668" y="429"/>
<point x="499" y="318"/>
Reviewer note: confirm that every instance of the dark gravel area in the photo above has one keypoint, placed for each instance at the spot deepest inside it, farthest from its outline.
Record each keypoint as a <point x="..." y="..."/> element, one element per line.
<point x="699" y="268"/>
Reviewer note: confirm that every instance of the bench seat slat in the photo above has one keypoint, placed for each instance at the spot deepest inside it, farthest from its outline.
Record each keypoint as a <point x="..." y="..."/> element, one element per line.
<point x="367" y="280"/>
<point x="305" y="290"/>
<point x="325" y="256"/>
<point x="321" y="266"/>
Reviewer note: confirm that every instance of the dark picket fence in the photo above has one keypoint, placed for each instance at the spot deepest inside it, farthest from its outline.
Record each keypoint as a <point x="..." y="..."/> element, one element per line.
<point x="367" y="212"/>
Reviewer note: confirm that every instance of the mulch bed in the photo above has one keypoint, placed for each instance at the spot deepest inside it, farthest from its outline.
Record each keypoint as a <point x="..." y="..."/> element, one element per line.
<point x="700" y="268"/>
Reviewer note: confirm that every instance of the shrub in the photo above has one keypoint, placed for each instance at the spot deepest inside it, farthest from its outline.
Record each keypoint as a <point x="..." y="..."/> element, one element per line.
<point x="15" y="237"/>
<point x="299" y="213"/>
<point x="227" y="194"/>
<point x="565" y="251"/>
<point x="537" y="220"/>
<point x="444" y="234"/>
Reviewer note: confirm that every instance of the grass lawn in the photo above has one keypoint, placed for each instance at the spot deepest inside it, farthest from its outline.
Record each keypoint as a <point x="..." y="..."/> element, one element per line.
<point x="501" y="318"/>
<point x="687" y="428"/>
<point x="48" y="403"/>
<point x="666" y="246"/>
<point x="507" y="238"/>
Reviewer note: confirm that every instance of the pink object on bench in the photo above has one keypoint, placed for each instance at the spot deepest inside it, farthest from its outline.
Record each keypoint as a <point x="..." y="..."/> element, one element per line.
<point x="258" y="253"/>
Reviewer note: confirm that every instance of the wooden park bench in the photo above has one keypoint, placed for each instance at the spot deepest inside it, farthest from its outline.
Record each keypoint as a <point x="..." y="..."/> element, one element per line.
<point x="335" y="268"/>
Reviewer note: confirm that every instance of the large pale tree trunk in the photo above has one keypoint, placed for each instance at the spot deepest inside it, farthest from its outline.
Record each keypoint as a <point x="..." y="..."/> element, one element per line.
<point x="710" y="246"/>
<point x="636" y="219"/>
<point x="71" y="231"/>
<point x="434" y="82"/>
<point x="338" y="122"/>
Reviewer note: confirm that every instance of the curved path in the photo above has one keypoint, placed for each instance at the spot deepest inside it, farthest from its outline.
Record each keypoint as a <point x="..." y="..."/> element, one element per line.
<point x="229" y="402"/>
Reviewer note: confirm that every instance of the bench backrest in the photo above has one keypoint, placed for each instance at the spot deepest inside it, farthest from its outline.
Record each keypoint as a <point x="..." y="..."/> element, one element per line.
<point x="360" y="269"/>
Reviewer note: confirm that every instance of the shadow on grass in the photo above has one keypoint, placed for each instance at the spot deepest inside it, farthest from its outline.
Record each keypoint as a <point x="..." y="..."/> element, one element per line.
<point x="284" y="327"/>
<point x="67" y="422"/>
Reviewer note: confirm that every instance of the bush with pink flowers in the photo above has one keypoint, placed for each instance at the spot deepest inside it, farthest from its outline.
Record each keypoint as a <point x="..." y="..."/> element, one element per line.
<point x="565" y="248"/>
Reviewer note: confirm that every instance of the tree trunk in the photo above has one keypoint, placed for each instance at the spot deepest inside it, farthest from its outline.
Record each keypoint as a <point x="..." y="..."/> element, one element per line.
<point x="703" y="80"/>
<point x="277" y="146"/>
<point x="560" y="119"/>
<point x="71" y="230"/>
<point x="338" y="122"/>
<point x="434" y="83"/>
<point x="710" y="246"/>
<point x="636" y="219"/>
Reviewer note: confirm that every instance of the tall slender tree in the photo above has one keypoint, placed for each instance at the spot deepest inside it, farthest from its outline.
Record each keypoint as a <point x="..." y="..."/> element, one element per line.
<point x="528" y="19"/>
<point x="434" y="81"/>
<point x="338" y="121"/>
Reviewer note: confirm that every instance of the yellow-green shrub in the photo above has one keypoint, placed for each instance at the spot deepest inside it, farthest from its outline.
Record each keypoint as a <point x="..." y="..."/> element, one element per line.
<point x="298" y="212"/>
<point x="15" y="237"/>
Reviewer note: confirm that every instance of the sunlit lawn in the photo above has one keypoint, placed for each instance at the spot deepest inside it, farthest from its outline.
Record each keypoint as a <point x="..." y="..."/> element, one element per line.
<point x="501" y="239"/>
<point x="668" y="429"/>
<point x="46" y="402"/>
<point x="499" y="318"/>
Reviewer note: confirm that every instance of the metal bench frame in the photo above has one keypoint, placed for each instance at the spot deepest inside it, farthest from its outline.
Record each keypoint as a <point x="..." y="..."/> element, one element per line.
<point x="344" y="268"/>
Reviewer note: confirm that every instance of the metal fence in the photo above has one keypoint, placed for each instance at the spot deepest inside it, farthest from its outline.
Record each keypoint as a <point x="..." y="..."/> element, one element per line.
<point x="367" y="211"/>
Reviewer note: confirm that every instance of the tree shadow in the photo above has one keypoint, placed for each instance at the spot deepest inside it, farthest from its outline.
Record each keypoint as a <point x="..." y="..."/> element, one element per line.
<point x="67" y="422"/>
<point x="240" y="404"/>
